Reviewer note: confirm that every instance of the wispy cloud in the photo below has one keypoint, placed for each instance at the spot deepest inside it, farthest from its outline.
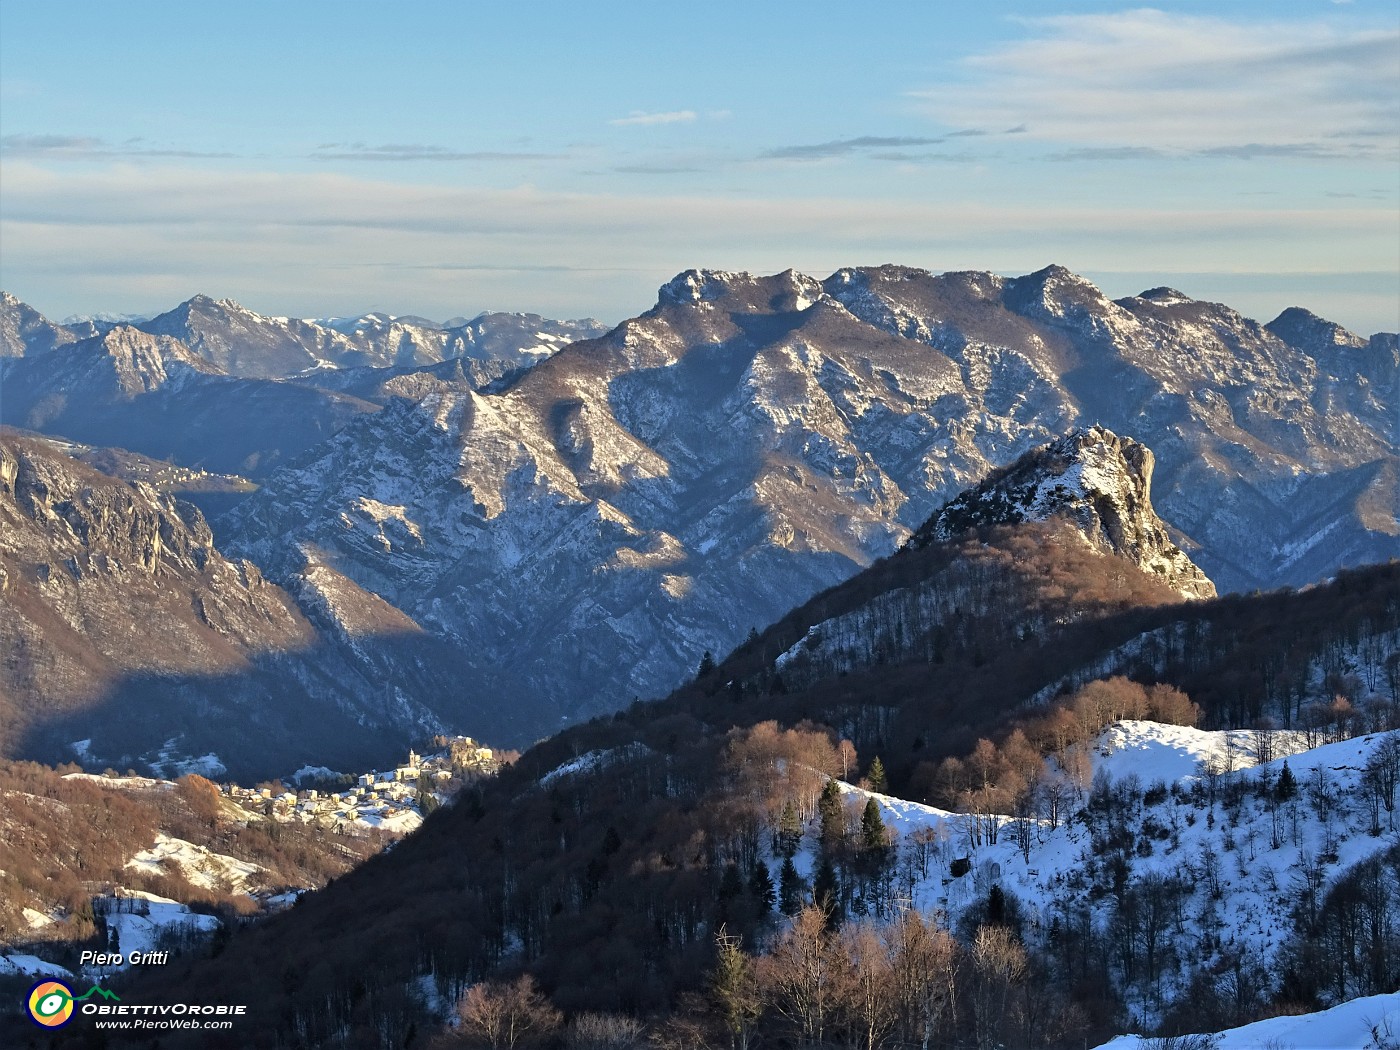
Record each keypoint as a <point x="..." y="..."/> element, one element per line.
<point x="1097" y="153"/>
<point x="1148" y="79"/>
<point x="676" y="116"/>
<point x="85" y="148"/>
<point x="907" y="158"/>
<point x="845" y="147"/>
<point x="416" y="152"/>
<point x="657" y="169"/>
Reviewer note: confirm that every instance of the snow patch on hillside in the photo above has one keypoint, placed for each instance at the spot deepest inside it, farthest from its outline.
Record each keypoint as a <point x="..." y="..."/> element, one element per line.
<point x="196" y="863"/>
<point x="1172" y="754"/>
<point x="137" y="922"/>
<point x="1371" y="1023"/>
<point x="594" y="760"/>
<point x="30" y="966"/>
<point x="1234" y="864"/>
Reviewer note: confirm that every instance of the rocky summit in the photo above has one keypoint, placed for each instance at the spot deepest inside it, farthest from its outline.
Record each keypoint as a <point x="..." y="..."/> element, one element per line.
<point x="1096" y="480"/>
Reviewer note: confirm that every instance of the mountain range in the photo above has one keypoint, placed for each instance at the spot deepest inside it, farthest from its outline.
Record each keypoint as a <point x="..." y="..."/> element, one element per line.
<point x="590" y="526"/>
<point x="635" y="500"/>
<point x="999" y="543"/>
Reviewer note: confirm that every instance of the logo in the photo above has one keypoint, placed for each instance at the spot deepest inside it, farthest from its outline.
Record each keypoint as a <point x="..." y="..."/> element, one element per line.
<point x="50" y="1002"/>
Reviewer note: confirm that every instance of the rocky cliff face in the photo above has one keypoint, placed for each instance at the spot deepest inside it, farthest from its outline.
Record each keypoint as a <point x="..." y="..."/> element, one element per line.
<point x="1099" y="482"/>
<point x="127" y="634"/>
<point x="635" y="499"/>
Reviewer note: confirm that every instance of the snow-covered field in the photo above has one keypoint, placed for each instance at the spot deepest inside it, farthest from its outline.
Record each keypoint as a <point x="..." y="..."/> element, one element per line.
<point x="30" y="966"/>
<point x="1372" y="1023"/>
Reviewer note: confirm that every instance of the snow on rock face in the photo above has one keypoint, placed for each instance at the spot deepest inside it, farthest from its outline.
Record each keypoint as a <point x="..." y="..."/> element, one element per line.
<point x="80" y="550"/>
<point x="1099" y="481"/>
<point x="244" y="343"/>
<point x="25" y="331"/>
<point x="598" y="522"/>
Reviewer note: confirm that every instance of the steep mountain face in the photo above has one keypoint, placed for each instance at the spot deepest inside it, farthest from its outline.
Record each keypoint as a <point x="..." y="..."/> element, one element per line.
<point x="243" y="343"/>
<point x="239" y="342"/>
<point x="1093" y="478"/>
<point x="636" y="499"/>
<point x="127" y="631"/>
<point x="25" y="331"/>
<point x="153" y="395"/>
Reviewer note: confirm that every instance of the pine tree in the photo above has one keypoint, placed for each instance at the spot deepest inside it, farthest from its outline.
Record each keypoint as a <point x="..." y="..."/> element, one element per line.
<point x="789" y="830"/>
<point x="872" y="829"/>
<point x="1287" y="786"/>
<point x="707" y="664"/>
<point x="761" y="887"/>
<point x="876" y="776"/>
<point x="790" y="888"/>
<point x="833" y="818"/>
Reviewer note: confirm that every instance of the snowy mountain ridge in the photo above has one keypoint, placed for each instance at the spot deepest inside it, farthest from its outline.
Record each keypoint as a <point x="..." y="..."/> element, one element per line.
<point x="751" y="440"/>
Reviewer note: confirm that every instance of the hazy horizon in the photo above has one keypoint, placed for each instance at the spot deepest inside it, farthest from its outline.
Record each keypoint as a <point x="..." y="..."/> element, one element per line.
<point x="440" y="159"/>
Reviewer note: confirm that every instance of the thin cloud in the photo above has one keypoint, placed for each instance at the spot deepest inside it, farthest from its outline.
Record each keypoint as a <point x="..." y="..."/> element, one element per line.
<point x="638" y="117"/>
<point x="1099" y="153"/>
<point x="845" y="147"/>
<point x="416" y="152"/>
<point x="1304" y="150"/>
<point x="1187" y="83"/>
<point x="84" y="148"/>
<point x="656" y="169"/>
<point x="901" y="157"/>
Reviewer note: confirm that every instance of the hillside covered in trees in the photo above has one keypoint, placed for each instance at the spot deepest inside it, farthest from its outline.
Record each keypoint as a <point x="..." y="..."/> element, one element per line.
<point x="617" y="863"/>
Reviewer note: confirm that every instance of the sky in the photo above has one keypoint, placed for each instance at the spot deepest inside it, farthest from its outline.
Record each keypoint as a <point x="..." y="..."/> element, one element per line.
<point x="440" y="159"/>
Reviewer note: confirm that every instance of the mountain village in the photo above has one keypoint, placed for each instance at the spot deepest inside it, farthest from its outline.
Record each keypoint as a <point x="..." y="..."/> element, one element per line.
<point x="393" y="800"/>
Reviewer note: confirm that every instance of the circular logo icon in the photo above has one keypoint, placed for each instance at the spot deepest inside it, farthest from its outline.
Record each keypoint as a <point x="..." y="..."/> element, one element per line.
<point x="51" y="1004"/>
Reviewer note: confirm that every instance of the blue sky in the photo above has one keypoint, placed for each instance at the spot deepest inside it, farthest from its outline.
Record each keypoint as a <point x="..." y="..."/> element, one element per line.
<point x="444" y="158"/>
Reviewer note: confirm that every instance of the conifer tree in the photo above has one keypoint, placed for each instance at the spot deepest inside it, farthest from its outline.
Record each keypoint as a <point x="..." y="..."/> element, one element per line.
<point x="872" y="829"/>
<point x="1287" y="786"/>
<point x="833" y="818"/>
<point x="761" y="887"/>
<point x="790" y="887"/>
<point x="730" y="883"/>
<point x="789" y="830"/>
<point x="876" y="776"/>
<point x="734" y="990"/>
